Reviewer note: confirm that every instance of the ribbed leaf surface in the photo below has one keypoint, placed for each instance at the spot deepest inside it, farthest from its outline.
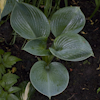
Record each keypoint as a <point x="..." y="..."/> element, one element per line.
<point x="71" y="47"/>
<point x="67" y="20"/>
<point x="29" y="22"/>
<point x="49" y="79"/>
<point x="8" y="7"/>
<point x="37" y="47"/>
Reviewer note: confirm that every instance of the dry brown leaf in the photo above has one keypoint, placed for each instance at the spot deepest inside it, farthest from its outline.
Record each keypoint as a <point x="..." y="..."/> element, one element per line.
<point x="2" y="5"/>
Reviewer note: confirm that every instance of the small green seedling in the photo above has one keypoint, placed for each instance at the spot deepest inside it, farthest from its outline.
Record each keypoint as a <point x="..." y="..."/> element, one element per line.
<point x="97" y="2"/>
<point x="98" y="90"/>
<point x="7" y="79"/>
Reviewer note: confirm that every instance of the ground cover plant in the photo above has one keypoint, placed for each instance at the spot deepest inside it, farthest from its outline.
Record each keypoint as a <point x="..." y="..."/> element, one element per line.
<point x="8" y="79"/>
<point x="85" y="63"/>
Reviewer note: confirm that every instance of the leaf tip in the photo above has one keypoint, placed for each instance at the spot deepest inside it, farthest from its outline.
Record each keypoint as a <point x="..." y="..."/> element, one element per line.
<point x="98" y="90"/>
<point x="49" y="97"/>
<point x="93" y="55"/>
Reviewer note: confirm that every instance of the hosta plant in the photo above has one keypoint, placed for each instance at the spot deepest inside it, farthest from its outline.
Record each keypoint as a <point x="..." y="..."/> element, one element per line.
<point x="6" y="6"/>
<point x="51" y="78"/>
<point x="7" y="79"/>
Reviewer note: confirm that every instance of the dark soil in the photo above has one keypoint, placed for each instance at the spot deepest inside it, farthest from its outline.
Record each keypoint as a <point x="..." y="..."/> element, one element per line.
<point x="84" y="76"/>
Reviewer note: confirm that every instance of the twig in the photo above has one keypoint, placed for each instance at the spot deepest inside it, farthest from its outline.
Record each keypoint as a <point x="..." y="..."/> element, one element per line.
<point x="71" y="97"/>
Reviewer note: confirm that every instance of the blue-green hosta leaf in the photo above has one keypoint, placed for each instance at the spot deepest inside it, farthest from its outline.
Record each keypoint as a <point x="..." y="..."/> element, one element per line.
<point x="67" y="20"/>
<point x="37" y="47"/>
<point x="71" y="47"/>
<point x="49" y="80"/>
<point x="8" y="7"/>
<point x="29" y="22"/>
